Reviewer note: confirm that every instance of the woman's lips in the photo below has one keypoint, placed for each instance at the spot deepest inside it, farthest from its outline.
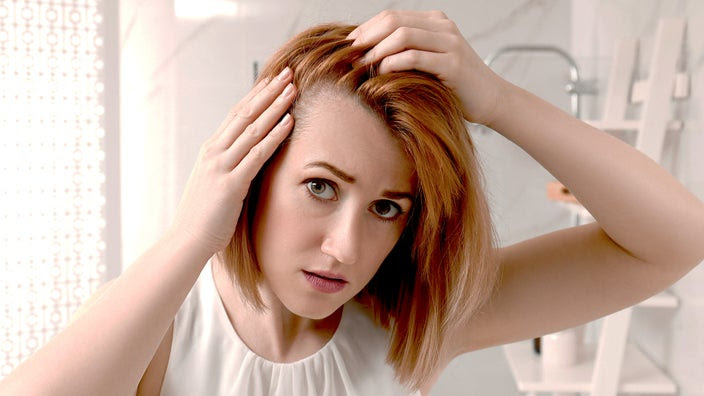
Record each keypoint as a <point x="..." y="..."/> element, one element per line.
<point x="325" y="282"/>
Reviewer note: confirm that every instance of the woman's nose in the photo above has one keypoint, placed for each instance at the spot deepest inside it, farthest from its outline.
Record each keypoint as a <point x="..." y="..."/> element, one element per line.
<point x="342" y="241"/>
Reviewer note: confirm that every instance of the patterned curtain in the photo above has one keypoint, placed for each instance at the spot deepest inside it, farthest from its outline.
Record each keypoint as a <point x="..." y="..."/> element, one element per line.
<point x="52" y="179"/>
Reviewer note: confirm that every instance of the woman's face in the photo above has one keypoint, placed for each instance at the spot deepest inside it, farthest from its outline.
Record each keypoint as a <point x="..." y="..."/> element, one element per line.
<point x="332" y="206"/>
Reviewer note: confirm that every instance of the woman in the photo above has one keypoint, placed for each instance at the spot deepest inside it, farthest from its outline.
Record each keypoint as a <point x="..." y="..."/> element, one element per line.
<point x="377" y="197"/>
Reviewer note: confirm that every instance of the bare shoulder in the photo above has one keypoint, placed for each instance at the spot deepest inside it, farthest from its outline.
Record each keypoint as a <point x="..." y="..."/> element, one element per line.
<point x="153" y="376"/>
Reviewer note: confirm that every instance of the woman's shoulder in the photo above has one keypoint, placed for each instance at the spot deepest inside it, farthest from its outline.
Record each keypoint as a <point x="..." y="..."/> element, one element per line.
<point x="153" y="377"/>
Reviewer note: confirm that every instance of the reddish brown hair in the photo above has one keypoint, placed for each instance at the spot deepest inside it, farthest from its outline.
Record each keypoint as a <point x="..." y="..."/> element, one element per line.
<point x="442" y="269"/>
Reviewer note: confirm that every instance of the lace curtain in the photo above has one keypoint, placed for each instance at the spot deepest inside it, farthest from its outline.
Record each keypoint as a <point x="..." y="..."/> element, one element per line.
<point x="52" y="178"/>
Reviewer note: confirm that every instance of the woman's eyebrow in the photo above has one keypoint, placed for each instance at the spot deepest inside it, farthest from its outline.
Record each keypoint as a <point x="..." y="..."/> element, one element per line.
<point x="336" y="171"/>
<point x="398" y="195"/>
<point x="350" y="179"/>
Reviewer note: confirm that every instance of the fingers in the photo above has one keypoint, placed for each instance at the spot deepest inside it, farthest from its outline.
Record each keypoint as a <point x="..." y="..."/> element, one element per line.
<point x="233" y="111"/>
<point x="407" y="38"/>
<point x="383" y="24"/>
<point x="430" y="62"/>
<point x="255" y="158"/>
<point x="249" y="110"/>
<point x="404" y="40"/>
<point x="260" y="128"/>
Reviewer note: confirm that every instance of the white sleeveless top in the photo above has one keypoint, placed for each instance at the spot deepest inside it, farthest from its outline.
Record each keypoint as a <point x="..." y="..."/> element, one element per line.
<point x="208" y="357"/>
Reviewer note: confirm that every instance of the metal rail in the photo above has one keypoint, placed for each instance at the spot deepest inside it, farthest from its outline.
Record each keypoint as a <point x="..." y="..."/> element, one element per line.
<point x="574" y="88"/>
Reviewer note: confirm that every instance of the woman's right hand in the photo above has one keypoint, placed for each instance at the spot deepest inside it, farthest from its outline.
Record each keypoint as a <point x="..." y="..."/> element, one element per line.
<point x="229" y="160"/>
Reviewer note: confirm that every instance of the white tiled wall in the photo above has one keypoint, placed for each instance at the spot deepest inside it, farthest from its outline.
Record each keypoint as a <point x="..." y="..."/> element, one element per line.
<point x="180" y="76"/>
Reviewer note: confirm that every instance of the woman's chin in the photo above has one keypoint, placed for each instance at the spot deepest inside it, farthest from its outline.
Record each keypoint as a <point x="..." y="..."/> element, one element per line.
<point x="316" y="311"/>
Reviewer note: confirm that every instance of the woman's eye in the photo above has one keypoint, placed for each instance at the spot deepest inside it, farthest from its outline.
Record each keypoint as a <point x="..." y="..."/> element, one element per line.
<point x="386" y="209"/>
<point x="321" y="189"/>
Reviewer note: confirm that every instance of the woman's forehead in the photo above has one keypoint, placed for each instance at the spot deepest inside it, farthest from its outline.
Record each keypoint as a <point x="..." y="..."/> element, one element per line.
<point x="334" y="127"/>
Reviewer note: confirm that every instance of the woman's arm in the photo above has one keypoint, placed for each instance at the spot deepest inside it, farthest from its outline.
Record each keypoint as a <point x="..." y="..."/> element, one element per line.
<point x="648" y="234"/>
<point x="649" y="228"/>
<point x="641" y="207"/>
<point x="105" y="350"/>
<point x="107" y="347"/>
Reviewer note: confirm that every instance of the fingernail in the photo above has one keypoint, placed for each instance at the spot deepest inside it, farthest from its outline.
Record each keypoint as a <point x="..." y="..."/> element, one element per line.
<point x="284" y="121"/>
<point x="288" y="90"/>
<point x="284" y="74"/>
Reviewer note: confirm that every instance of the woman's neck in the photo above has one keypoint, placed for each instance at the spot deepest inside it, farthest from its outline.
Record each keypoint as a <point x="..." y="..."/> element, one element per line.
<point x="275" y="334"/>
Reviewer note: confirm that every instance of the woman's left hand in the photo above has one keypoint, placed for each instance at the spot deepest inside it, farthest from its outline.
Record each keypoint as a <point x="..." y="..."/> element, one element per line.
<point x="430" y="42"/>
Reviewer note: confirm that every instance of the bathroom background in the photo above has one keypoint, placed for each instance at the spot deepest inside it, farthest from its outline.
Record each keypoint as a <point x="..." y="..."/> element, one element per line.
<point x="183" y="63"/>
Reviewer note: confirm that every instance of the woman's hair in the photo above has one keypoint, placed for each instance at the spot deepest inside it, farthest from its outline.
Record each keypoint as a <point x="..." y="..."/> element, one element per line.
<point x="442" y="269"/>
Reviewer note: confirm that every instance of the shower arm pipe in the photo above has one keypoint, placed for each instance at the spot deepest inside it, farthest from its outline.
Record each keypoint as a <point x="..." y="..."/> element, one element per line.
<point x="574" y="70"/>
